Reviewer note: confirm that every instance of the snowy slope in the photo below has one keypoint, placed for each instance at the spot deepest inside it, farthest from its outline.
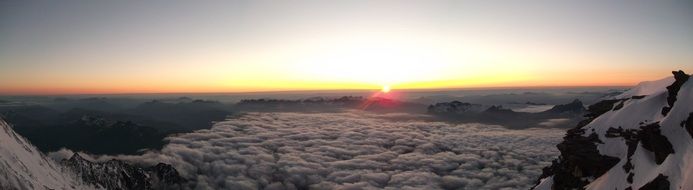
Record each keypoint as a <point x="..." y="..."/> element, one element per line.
<point x="641" y="139"/>
<point x="22" y="166"/>
<point x="647" y="87"/>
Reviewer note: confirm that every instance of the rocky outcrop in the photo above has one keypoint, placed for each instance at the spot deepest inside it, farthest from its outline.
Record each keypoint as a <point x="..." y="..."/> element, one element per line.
<point x="659" y="183"/>
<point x="165" y="176"/>
<point x="115" y="174"/>
<point x="454" y="107"/>
<point x="580" y="161"/>
<point x="651" y="139"/>
<point x="597" y="109"/>
<point x="499" y="110"/>
<point x="688" y="124"/>
<point x="673" y="90"/>
<point x="575" y="106"/>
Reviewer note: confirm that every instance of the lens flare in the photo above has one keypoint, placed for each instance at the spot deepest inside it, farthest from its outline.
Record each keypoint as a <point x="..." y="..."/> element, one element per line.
<point x="386" y="89"/>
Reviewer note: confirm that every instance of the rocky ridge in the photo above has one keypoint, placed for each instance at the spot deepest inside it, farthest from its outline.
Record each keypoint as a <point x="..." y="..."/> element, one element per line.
<point x="640" y="139"/>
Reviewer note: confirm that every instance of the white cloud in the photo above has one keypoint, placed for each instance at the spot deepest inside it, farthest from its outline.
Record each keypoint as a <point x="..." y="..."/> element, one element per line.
<point x="355" y="150"/>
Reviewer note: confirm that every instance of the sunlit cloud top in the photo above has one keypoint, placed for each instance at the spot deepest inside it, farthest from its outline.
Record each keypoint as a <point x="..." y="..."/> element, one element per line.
<point x="54" y="47"/>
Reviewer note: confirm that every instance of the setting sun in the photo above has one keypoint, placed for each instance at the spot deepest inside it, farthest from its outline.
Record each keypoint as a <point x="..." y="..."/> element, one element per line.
<point x="412" y="45"/>
<point x="386" y="89"/>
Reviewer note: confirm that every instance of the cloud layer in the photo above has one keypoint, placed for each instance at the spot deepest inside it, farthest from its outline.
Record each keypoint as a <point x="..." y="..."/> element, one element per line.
<point x="354" y="151"/>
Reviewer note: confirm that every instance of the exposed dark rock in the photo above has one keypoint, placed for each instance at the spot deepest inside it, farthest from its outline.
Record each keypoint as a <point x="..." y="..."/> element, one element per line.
<point x="614" y="132"/>
<point x="619" y="105"/>
<point x="597" y="109"/>
<point x="631" y="138"/>
<point x="661" y="182"/>
<point x="579" y="160"/>
<point x="651" y="139"/>
<point x="601" y="107"/>
<point x="498" y="109"/>
<point x="454" y="107"/>
<point x="575" y="106"/>
<point x="637" y="97"/>
<point x="673" y="89"/>
<point x="167" y="177"/>
<point x="666" y="110"/>
<point x="115" y="174"/>
<point x="688" y="124"/>
<point x="628" y="165"/>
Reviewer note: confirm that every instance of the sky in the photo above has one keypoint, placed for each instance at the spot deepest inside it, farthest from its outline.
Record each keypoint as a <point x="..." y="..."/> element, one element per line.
<point x="76" y="47"/>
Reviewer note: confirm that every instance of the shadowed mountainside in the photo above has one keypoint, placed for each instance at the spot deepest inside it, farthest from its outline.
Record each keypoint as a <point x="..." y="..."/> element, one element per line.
<point x="120" y="131"/>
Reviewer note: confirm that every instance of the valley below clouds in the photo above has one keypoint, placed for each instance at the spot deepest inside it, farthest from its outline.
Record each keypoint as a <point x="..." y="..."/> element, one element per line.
<point x="353" y="150"/>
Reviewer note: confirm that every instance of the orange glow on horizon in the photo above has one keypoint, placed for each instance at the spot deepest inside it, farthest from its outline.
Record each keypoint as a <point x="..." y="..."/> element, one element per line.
<point x="232" y="84"/>
<point x="238" y="46"/>
<point x="289" y="86"/>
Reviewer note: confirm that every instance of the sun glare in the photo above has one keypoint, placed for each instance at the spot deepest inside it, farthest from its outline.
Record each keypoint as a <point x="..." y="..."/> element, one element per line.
<point x="386" y="89"/>
<point x="362" y="60"/>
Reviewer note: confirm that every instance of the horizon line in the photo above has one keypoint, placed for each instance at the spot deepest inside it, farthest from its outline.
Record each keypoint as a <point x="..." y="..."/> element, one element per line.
<point x="318" y="90"/>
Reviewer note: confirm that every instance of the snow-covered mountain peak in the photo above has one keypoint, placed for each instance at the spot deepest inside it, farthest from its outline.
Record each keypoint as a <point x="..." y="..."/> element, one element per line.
<point x="641" y="139"/>
<point x="22" y="166"/>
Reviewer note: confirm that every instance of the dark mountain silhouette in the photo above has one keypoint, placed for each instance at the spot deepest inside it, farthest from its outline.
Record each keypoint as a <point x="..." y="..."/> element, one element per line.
<point x="455" y="111"/>
<point x="89" y="128"/>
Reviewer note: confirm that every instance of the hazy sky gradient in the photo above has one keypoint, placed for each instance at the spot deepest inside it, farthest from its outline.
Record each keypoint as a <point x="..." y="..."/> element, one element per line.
<point x="231" y="46"/>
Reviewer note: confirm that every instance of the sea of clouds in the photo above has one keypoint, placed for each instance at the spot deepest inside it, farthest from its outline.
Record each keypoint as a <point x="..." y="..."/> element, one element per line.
<point x="354" y="150"/>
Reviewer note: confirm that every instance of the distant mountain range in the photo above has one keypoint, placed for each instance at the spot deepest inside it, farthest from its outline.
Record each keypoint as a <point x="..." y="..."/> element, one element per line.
<point x="563" y="115"/>
<point x="99" y="126"/>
